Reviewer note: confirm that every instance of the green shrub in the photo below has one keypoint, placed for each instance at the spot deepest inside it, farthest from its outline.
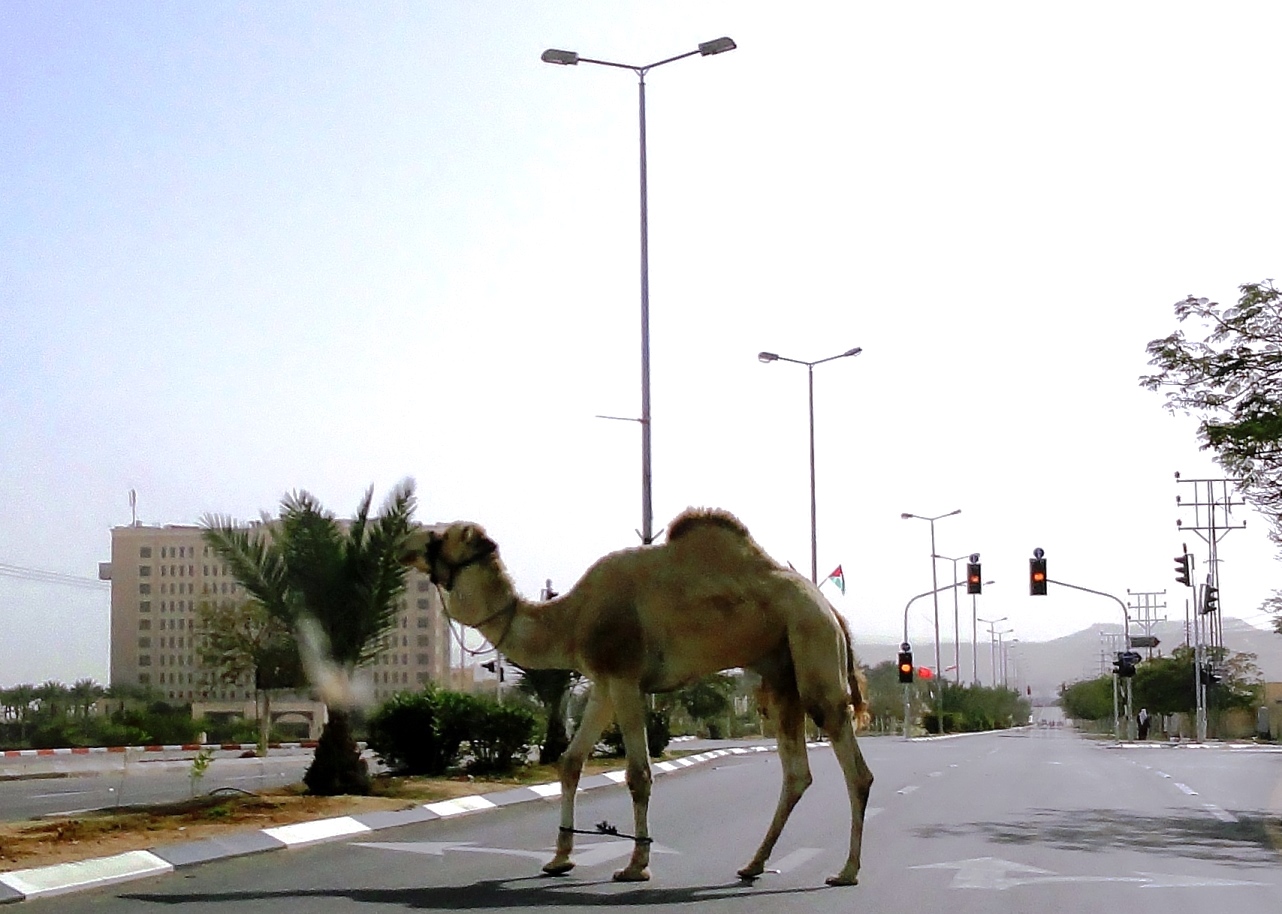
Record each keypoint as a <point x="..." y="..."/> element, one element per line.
<point x="500" y="736"/>
<point x="658" y="734"/>
<point x="418" y="732"/>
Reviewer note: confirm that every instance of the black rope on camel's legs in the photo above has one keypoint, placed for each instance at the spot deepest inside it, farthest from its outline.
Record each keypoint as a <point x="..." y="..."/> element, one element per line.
<point x="605" y="828"/>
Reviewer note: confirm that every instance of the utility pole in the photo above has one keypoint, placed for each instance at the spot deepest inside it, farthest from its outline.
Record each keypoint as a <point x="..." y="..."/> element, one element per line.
<point x="1145" y="605"/>
<point x="1213" y="503"/>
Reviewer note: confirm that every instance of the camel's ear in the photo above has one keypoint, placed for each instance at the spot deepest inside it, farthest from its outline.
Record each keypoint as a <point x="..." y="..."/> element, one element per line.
<point x="477" y="542"/>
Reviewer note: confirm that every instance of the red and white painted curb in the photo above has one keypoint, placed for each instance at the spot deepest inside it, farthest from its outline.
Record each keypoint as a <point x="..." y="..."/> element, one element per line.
<point x="184" y="747"/>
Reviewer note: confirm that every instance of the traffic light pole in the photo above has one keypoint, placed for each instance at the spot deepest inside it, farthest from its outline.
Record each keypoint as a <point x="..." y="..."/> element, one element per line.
<point x="1126" y="631"/>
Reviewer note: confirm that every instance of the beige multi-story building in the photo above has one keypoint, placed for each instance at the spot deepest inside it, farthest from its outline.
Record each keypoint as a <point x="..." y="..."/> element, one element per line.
<point x="159" y="577"/>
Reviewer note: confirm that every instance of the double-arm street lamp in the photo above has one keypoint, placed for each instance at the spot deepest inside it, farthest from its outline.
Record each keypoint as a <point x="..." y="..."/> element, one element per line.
<point x="768" y="357"/>
<point x="934" y="578"/>
<point x="572" y="58"/>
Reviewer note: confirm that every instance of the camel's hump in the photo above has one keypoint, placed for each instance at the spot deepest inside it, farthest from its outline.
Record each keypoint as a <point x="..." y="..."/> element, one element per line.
<point x="692" y="519"/>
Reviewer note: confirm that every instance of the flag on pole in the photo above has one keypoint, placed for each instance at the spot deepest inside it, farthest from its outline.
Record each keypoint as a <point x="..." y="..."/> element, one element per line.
<point x="838" y="578"/>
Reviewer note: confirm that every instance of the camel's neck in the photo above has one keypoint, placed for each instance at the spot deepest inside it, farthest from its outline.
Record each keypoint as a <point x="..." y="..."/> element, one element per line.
<point x="485" y="598"/>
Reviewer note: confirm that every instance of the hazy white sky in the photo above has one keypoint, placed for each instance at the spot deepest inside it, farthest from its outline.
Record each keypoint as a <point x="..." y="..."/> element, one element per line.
<point x="246" y="248"/>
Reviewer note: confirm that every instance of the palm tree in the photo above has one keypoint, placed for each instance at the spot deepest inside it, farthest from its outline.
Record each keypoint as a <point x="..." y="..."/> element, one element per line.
<point x="20" y="699"/>
<point x="83" y="694"/>
<point x="551" y="689"/>
<point x="340" y="579"/>
<point x="52" y="696"/>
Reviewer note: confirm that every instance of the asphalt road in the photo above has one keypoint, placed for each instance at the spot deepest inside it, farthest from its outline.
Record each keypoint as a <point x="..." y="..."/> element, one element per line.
<point x="81" y="783"/>
<point x="1041" y="820"/>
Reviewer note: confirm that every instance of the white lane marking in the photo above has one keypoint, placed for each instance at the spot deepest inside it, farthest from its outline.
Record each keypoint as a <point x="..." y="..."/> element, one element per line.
<point x="1221" y="814"/>
<point x="999" y="875"/>
<point x="65" y="793"/>
<point x="1186" y="788"/>
<point x="907" y="790"/>
<point x="872" y="811"/>
<point x="1163" y="774"/>
<point x="935" y="774"/>
<point x="796" y="859"/>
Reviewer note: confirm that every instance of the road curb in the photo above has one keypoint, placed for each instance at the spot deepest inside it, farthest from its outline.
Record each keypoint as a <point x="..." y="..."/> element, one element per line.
<point x="60" y="878"/>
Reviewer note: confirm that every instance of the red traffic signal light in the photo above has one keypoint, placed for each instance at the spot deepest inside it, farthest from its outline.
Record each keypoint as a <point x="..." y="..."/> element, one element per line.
<point x="974" y="578"/>
<point x="905" y="666"/>
<point x="1037" y="576"/>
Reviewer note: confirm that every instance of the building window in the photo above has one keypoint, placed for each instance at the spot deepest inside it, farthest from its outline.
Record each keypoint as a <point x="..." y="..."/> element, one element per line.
<point x="144" y="552"/>
<point x="144" y="625"/>
<point x="144" y="606"/>
<point x="422" y="603"/>
<point x="424" y="586"/>
<point x="144" y="571"/>
<point x="424" y="659"/>
<point x="144" y="589"/>
<point x="144" y="659"/>
<point x="144" y="642"/>
<point x="424" y="640"/>
<point x="421" y="677"/>
<point x="423" y="622"/>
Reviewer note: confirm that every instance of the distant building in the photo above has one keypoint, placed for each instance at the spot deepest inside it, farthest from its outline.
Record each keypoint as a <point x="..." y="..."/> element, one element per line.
<point x="159" y="577"/>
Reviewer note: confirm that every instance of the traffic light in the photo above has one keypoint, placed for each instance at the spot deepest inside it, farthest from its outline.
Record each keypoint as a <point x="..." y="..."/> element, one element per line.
<point x="1129" y="659"/>
<point x="1210" y="675"/>
<point x="1117" y="664"/>
<point x="1037" y="574"/>
<point x="974" y="579"/>
<point x="905" y="666"/>
<point x="1211" y="599"/>
<point x="1182" y="570"/>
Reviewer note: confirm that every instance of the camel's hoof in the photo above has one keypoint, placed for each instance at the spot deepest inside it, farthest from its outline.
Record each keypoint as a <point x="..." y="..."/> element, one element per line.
<point x="843" y="879"/>
<point x="752" y="871"/>
<point x="630" y="875"/>
<point x="558" y="867"/>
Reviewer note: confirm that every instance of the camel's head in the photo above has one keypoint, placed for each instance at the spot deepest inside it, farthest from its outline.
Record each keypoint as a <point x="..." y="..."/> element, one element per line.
<point x="442" y="554"/>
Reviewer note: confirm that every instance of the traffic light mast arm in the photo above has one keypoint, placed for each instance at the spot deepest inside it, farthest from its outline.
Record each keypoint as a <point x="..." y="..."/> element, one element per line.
<point x="1126" y="619"/>
<point x="943" y="589"/>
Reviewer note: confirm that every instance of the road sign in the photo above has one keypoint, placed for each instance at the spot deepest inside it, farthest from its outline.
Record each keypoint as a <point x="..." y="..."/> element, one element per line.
<point x="1144" y="641"/>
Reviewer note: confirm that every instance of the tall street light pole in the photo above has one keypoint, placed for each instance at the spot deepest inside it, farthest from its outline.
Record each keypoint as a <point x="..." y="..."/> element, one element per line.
<point x="767" y="358"/>
<point x="992" y="647"/>
<point x="571" y="58"/>
<point x="956" y="618"/>
<point x="934" y="577"/>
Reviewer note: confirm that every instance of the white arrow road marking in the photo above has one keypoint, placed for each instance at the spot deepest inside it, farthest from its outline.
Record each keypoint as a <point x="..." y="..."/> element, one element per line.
<point x="585" y="854"/>
<point x="982" y="872"/>
<point x="795" y="859"/>
<point x="991" y="873"/>
<point x="907" y="790"/>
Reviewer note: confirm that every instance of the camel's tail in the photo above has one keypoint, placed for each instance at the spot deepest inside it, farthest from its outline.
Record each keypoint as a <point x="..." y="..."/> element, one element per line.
<point x="858" y="682"/>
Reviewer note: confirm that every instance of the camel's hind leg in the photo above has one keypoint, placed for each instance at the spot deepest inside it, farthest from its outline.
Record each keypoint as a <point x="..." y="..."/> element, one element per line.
<point x="596" y="716"/>
<point x="630" y="712"/>
<point x="796" y="776"/>
<point x="858" y="785"/>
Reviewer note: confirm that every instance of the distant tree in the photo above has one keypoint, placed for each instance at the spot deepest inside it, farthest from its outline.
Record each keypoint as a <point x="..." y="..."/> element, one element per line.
<point x="83" y="694"/>
<point x="22" y="697"/>
<point x="341" y="581"/>
<point x="1231" y="380"/>
<point x="242" y="641"/>
<point x="1089" y="699"/>
<point x="551" y="689"/>
<point x="53" y="697"/>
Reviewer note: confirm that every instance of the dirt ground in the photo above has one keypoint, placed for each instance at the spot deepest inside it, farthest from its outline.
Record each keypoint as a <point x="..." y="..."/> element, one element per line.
<point x="100" y="834"/>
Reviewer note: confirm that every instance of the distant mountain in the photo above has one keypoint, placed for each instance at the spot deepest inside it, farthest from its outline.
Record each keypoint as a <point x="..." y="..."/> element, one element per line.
<point x="1044" y="665"/>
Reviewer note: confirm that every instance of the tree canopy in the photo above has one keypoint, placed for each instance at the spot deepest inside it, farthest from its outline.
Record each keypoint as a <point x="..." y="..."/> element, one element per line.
<point x="1231" y="380"/>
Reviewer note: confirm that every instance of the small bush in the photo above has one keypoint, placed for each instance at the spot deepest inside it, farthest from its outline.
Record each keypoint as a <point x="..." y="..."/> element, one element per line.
<point x="418" y="732"/>
<point x="658" y="734"/>
<point x="500" y="736"/>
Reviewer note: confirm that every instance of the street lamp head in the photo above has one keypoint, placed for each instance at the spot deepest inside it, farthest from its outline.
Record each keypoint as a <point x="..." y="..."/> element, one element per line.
<point x="906" y="516"/>
<point x="855" y="351"/>
<point x="565" y="58"/>
<point x="716" y="46"/>
<point x="767" y="357"/>
<point x="951" y="513"/>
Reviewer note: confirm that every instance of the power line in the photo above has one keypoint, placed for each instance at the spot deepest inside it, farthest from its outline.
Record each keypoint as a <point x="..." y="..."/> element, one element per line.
<point x="39" y="576"/>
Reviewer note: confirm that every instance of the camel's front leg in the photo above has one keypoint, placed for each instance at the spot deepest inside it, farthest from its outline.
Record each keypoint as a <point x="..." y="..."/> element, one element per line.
<point x="596" y="715"/>
<point x="796" y="778"/>
<point x="629" y="711"/>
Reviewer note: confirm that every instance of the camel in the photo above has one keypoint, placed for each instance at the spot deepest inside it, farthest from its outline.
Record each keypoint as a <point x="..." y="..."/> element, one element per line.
<point x="653" y="619"/>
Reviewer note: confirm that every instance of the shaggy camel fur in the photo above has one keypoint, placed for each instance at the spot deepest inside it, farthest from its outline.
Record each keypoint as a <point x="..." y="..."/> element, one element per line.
<point x="655" y="618"/>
